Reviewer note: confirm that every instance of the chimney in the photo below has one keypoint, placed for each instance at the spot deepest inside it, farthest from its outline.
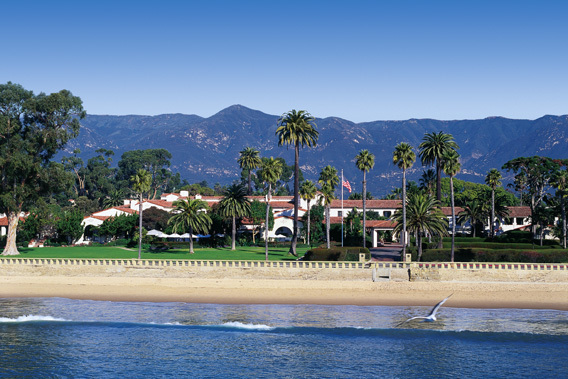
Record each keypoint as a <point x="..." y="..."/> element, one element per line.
<point x="184" y="193"/>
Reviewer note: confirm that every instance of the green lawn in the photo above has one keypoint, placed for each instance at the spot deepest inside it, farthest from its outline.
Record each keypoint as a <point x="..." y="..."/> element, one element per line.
<point x="115" y="252"/>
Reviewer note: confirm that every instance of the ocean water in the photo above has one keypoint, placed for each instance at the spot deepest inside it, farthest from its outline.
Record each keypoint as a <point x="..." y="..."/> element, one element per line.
<point x="54" y="337"/>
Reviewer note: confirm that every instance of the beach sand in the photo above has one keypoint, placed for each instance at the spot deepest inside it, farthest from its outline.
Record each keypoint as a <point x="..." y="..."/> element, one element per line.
<point x="289" y="291"/>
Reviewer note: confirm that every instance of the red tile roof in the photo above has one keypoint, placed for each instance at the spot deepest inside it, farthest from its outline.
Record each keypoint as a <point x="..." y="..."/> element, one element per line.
<point x="371" y="204"/>
<point x="519" y="211"/>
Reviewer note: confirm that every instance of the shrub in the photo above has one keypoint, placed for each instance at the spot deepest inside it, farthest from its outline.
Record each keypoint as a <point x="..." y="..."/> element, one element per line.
<point x="350" y="254"/>
<point x="494" y="255"/>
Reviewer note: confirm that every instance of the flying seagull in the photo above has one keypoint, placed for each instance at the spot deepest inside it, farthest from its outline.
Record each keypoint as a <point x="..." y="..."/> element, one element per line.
<point x="431" y="316"/>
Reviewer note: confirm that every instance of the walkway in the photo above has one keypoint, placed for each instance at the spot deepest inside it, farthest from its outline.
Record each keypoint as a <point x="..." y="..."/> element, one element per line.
<point x="387" y="253"/>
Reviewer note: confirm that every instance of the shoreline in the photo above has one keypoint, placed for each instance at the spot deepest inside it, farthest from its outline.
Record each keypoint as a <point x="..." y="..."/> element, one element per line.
<point x="519" y="295"/>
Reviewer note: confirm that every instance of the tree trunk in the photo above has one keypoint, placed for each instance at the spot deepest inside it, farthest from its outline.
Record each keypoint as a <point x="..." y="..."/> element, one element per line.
<point x="453" y="217"/>
<point x="563" y="221"/>
<point x="234" y="234"/>
<point x="140" y="228"/>
<point x="327" y="226"/>
<point x="296" y="197"/>
<point x="364" y="208"/>
<point x="191" y="240"/>
<point x="266" y="223"/>
<point x="492" y="213"/>
<point x="249" y="182"/>
<point x="11" y="248"/>
<point x="309" y="227"/>
<point x="419" y="239"/>
<point x="439" y="193"/>
<point x="403" y="237"/>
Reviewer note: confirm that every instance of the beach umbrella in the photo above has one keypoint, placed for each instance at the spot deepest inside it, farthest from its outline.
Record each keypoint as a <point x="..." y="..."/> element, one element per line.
<point x="174" y="235"/>
<point x="156" y="233"/>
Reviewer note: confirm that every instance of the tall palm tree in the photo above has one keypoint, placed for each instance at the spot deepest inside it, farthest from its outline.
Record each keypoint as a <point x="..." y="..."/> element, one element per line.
<point x="561" y="183"/>
<point x="308" y="192"/>
<point x="404" y="158"/>
<point x="141" y="183"/>
<point x="365" y="162"/>
<point x="432" y="148"/>
<point x="270" y="173"/>
<point x="451" y="166"/>
<point x="428" y="181"/>
<point x="328" y="180"/>
<point x="249" y="160"/>
<point x="327" y="196"/>
<point x="234" y="204"/>
<point x="474" y="212"/>
<point x="190" y="214"/>
<point x="493" y="180"/>
<point x="424" y="217"/>
<point x="296" y="128"/>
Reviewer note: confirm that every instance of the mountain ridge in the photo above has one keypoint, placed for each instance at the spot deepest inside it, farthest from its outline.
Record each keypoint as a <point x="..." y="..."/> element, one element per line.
<point x="207" y="148"/>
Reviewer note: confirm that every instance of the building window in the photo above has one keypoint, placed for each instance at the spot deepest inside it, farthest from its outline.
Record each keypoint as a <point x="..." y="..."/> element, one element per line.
<point x="339" y="213"/>
<point x="520" y="220"/>
<point x="387" y="213"/>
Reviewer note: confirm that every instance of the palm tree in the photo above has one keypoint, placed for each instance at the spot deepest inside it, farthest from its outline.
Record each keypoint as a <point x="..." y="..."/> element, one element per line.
<point x="249" y="160"/>
<point x="270" y="173"/>
<point x="424" y="217"/>
<point x="474" y="212"/>
<point x="451" y="166"/>
<point x="364" y="162"/>
<point x="327" y="196"/>
<point x="493" y="180"/>
<point x="308" y="192"/>
<point x="141" y="183"/>
<point x="428" y="180"/>
<point x="190" y="214"/>
<point x="114" y="199"/>
<point x="234" y="204"/>
<point x="404" y="158"/>
<point x="561" y="183"/>
<point x="296" y="128"/>
<point x="432" y="148"/>
<point x="328" y="180"/>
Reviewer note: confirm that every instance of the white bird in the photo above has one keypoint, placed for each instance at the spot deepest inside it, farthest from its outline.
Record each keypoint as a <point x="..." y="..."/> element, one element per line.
<point x="431" y="316"/>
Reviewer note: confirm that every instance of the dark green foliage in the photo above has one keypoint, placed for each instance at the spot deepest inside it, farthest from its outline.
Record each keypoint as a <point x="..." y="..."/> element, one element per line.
<point x="119" y="227"/>
<point x="155" y="161"/>
<point x="335" y="254"/>
<point x="69" y="226"/>
<point x="495" y="255"/>
<point x="154" y="218"/>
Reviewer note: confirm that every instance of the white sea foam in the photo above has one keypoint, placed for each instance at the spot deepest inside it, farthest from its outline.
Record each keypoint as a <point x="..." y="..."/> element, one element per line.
<point x="240" y="325"/>
<point x="30" y="318"/>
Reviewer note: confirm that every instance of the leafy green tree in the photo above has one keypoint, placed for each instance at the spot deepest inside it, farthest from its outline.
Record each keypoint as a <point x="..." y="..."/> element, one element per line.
<point x="76" y="165"/>
<point x="296" y="128"/>
<point x="316" y="218"/>
<point x="234" y="204"/>
<point x="451" y="166"/>
<point x="249" y="160"/>
<point x="560" y="182"/>
<point x="423" y="217"/>
<point x="270" y="174"/>
<point x="404" y="158"/>
<point x="364" y="162"/>
<point x="538" y="173"/>
<point x="493" y="180"/>
<point x="119" y="226"/>
<point x="33" y="128"/>
<point x="199" y="189"/>
<point x="155" y="218"/>
<point x="114" y="199"/>
<point x="308" y="192"/>
<point x="100" y="177"/>
<point x="155" y="161"/>
<point x="141" y="183"/>
<point x="69" y="226"/>
<point x="190" y="215"/>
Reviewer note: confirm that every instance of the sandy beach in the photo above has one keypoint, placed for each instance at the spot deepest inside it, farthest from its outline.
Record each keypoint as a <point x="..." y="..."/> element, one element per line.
<point x="275" y="291"/>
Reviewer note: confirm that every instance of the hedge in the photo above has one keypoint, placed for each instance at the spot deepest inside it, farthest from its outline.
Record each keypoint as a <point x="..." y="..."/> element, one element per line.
<point x="494" y="255"/>
<point x="349" y="254"/>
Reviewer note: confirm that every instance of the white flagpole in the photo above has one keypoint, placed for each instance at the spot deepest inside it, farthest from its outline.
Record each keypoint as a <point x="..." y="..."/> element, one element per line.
<point x="342" y="208"/>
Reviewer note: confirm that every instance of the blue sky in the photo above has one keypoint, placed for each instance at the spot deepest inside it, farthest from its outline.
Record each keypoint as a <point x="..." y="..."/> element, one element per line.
<point x="359" y="60"/>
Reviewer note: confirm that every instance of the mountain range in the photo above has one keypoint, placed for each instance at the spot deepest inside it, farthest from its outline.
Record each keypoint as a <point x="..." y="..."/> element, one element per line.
<point x="208" y="148"/>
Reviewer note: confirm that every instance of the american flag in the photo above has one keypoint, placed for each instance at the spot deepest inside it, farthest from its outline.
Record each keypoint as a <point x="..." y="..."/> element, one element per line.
<point x="347" y="185"/>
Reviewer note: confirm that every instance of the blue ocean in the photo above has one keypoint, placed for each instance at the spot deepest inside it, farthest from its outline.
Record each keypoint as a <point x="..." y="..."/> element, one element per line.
<point x="55" y="337"/>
